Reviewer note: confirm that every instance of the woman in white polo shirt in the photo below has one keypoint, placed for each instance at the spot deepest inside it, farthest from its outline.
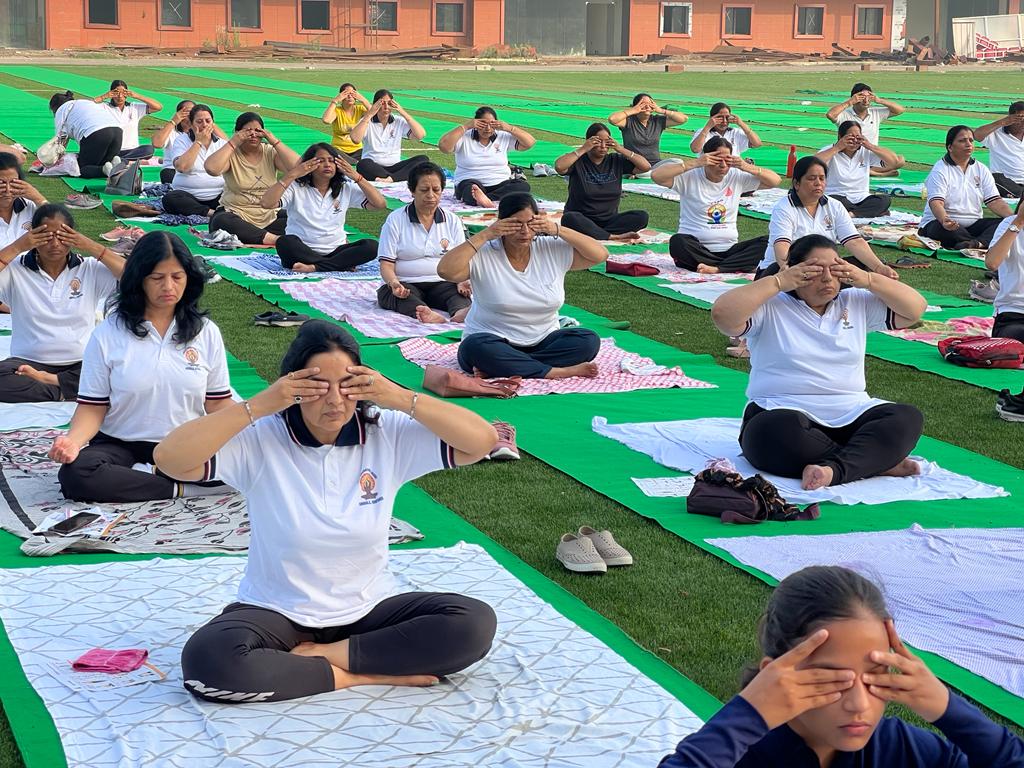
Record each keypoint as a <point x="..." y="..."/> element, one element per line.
<point x="849" y="171"/>
<point x="165" y="135"/>
<point x="320" y="466"/>
<point x="959" y="188"/>
<point x="18" y="200"/>
<point x="724" y="124"/>
<point x="1004" y="139"/>
<point x="381" y="131"/>
<point x="413" y="240"/>
<point x="709" y="189"/>
<point x="517" y="269"/>
<point x="194" y="192"/>
<point x="809" y="415"/>
<point x="97" y="132"/>
<point x="806" y="210"/>
<point x="1006" y="254"/>
<point x="53" y="293"/>
<point x="155" y="363"/>
<point x="481" y="146"/>
<point x="316" y="195"/>
<point x="128" y="116"/>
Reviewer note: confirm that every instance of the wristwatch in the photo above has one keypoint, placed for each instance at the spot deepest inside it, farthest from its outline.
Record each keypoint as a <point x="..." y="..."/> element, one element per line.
<point x="1014" y="228"/>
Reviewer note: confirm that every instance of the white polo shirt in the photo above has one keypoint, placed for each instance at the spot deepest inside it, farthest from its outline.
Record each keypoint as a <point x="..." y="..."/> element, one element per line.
<point x="964" y="193"/>
<point x="732" y="134"/>
<point x="320" y="513"/>
<point x="1006" y="154"/>
<point x="521" y="307"/>
<point x="128" y="118"/>
<point x="849" y="176"/>
<point x="51" y="319"/>
<point x="20" y="223"/>
<point x="813" y="363"/>
<point x="171" y="150"/>
<point x="791" y="221"/>
<point x="80" y="118"/>
<point x="151" y="385"/>
<point x="319" y="220"/>
<point x="196" y="180"/>
<point x="487" y="165"/>
<point x="416" y="251"/>
<point x="870" y="124"/>
<point x="1010" y="297"/>
<point x="708" y="209"/>
<point x="383" y="141"/>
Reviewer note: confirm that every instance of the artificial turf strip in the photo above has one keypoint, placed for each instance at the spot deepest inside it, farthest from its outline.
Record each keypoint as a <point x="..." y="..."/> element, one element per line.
<point x="961" y="104"/>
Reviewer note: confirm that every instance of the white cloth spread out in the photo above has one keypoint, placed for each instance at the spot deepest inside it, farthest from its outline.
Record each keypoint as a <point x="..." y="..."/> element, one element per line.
<point x="954" y="592"/>
<point x="5" y="321"/>
<point x="267" y="266"/>
<point x="706" y="292"/>
<point x="15" y="416"/>
<point x="688" y="445"/>
<point x="547" y="694"/>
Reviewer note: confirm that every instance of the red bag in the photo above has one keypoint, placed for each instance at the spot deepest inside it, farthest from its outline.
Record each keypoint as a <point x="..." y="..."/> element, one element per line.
<point x="632" y="268"/>
<point x="982" y="352"/>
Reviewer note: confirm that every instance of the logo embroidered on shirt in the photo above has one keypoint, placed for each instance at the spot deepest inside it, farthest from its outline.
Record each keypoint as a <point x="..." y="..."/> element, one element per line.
<point x="716" y="213"/>
<point x="76" y="288"/>
<point x="192" y="358"/>
<point x="368" y="485"/>
<point x="845" y="317"/>
<point x="445" y="242"/>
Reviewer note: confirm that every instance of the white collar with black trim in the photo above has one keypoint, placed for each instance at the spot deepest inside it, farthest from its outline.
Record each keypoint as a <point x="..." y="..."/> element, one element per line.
<point x="796" y="202"/>
<point x="414" y="218"/>
<point x="352" y="433"/>
<point x="31" y="260"/>
<point x="949" y="160"/>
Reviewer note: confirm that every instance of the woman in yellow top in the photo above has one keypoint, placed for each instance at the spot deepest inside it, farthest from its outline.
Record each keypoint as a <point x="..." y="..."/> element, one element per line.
<point x="249" y="167"/>
<point x="342" y="114"/>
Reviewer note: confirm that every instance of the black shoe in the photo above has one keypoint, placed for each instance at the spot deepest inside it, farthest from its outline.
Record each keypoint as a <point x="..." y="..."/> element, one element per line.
<point x="1011" y="409"/>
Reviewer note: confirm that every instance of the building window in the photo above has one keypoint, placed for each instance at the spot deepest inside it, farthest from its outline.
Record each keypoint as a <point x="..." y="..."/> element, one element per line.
<point x="448" y="18"/>
<point x="675" y="18"/>
<point x="315" y="15"/>
<point x="736" y="20"/>
<point x="245" y="14"/>
<point x="810" y="20"/>
<point x="175" y="13"/>
<point x="869" y="21"/>
<point x="384" y="15"/>
<point x="102" y="12"/>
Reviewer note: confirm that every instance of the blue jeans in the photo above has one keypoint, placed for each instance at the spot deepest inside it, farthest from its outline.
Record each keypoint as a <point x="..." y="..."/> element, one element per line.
<point x="497" y="357"/>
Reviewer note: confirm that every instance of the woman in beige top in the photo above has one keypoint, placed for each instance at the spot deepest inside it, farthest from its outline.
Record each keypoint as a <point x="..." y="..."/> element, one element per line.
<point x="249" y="167"/>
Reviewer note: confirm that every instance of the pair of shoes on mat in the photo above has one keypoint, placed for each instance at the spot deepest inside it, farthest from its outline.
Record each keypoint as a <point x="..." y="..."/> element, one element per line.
<point x="82" y="201"/>
<point x="1010" y="407"/>
<point x="910" y="262"/>
<point x="127" y="209"/>
<point x="505" y="449"/>
<point x="121" y="232"/>
<point x="110" y="165"/>
<point x="211" y="275"/>
<point x="124" y="246"/>
<point x="280" y="319"/>
<point x="984" y="290"/>
<point x="222" y="240"/>
<point x="590" y="551"/>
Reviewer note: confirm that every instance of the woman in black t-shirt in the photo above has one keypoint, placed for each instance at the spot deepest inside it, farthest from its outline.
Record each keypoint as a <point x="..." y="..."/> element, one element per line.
<point x="595" y="172"/>
<point x="643" y="123"/>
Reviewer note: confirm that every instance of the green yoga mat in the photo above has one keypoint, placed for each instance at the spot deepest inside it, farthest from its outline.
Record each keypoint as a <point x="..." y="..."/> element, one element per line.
<point x="83" y="85"/>
<point x="975" y="105"/>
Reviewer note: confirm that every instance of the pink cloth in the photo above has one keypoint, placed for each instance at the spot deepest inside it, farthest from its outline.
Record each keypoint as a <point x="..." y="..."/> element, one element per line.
<point x="959" y="326"/>
<point x="610" y="378"/>
<point x="111" y="662"/>
<point x="669" y="271"/>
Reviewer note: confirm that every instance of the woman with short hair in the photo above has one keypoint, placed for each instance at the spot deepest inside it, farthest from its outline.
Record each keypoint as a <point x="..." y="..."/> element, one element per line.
<point x="381" y="131"/>
<point x="155" y="363"/>
<point x="517" y="269"/>
<point x="129" y="116"/>
<point x="97" y="132"/>
<point x="849" y="171"/>
<point x="481" y="146"/>
<point x="194" y="192"/>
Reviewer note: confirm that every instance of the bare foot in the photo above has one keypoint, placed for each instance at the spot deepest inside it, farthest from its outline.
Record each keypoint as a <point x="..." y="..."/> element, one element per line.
<point x="346" y="679"/>
<point x="480" y="198"/>
<point x="269" y="239"/>
<point x="426" y="315"/>
<point x="587" y="370"/>
<point x="41" y="376"/>
<point x="386" y="180"/>
<point x="298" y="266"/>
<point x="460" y="316"/>
<point x="626" y="237"/>
<point x="816" y="477"/>
<point x="906" y="468"/>
<point x="707" y="269"/>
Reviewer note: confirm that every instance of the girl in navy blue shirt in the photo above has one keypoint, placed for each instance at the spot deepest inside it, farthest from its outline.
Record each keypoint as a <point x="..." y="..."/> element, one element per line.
<point x="832" y="659"/>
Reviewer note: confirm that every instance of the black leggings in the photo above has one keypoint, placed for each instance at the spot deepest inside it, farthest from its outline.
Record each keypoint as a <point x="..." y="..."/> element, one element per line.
<point x="494" y="356"/>
<point x="688" y="253"/>
<point x="291" y="250"/>
<point x="1008" y="187"/>
<point x="1008" y="325"/>
<point x="15" y="388"/>
<point x="373" y="170"/>
<point x="103" y="472"/>
<point x="141" y="152"/>
<point x="243" y="654"/>
<point x="97" y="149"/>
<point x="167" y="175"/>
<point x="182" y="203"/>
<point x="603" y="229"/>
<point x="248" y="233"/>
<point x="868" y="208"/>
<point x="438" y="294"/>
<point x="981" y="230"/>
<point x="783" y="442"/>
<point x="464" y="189"/>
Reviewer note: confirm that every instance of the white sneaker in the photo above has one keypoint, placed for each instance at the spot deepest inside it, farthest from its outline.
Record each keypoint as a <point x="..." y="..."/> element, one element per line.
<point x="107" y="168"/>
<point x="605" y="545"/>
<point x="577" y="553"/>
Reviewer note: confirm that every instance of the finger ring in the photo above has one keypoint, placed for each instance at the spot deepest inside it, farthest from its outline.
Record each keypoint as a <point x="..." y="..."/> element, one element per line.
<point x="370" y="382"/>
<point x="298" y="398"/>
<point x="291" y="375"/>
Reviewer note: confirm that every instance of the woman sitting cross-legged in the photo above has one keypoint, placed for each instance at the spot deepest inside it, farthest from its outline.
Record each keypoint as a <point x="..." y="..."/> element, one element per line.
<point x="166" y="134"/>
<point x="482" y="172"/>
<point x="412" y="242"/>
<point x="849" y="171"/>
<point x="194" y="192"/>
<point x="155" y="363"/>
<point x="958" y="188"/>
<point x="595" y="172"/>
<point x="53" y="291"/>
<point x="381" y="131"/>
<point x="517" y="269"/>
<point x="320" y="466"/>
<point x="809" y="415"/>
<point x="316" y="195"/>
<point x="709" y="188"/>
<point x="249" y="163"/>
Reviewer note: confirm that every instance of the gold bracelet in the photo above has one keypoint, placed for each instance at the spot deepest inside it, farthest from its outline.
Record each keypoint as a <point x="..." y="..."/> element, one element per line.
<point x="558" y="229"/>
<point x="778" y="282"/>
<point x="869" y="281"/>
<point x="412" y="408"/>
<point x="248" y="410"/>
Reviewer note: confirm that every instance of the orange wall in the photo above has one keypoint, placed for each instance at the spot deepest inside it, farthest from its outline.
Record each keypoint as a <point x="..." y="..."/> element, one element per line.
<point x="772" y="26"/>
<point x="65" y="25"/>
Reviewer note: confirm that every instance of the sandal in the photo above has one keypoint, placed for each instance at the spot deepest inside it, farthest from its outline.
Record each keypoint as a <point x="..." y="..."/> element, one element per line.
<point x="909" y="262"/>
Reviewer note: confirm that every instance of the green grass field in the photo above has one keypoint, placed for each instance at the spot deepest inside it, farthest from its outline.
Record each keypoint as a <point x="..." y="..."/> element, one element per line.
<point x="690" y="608"/>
